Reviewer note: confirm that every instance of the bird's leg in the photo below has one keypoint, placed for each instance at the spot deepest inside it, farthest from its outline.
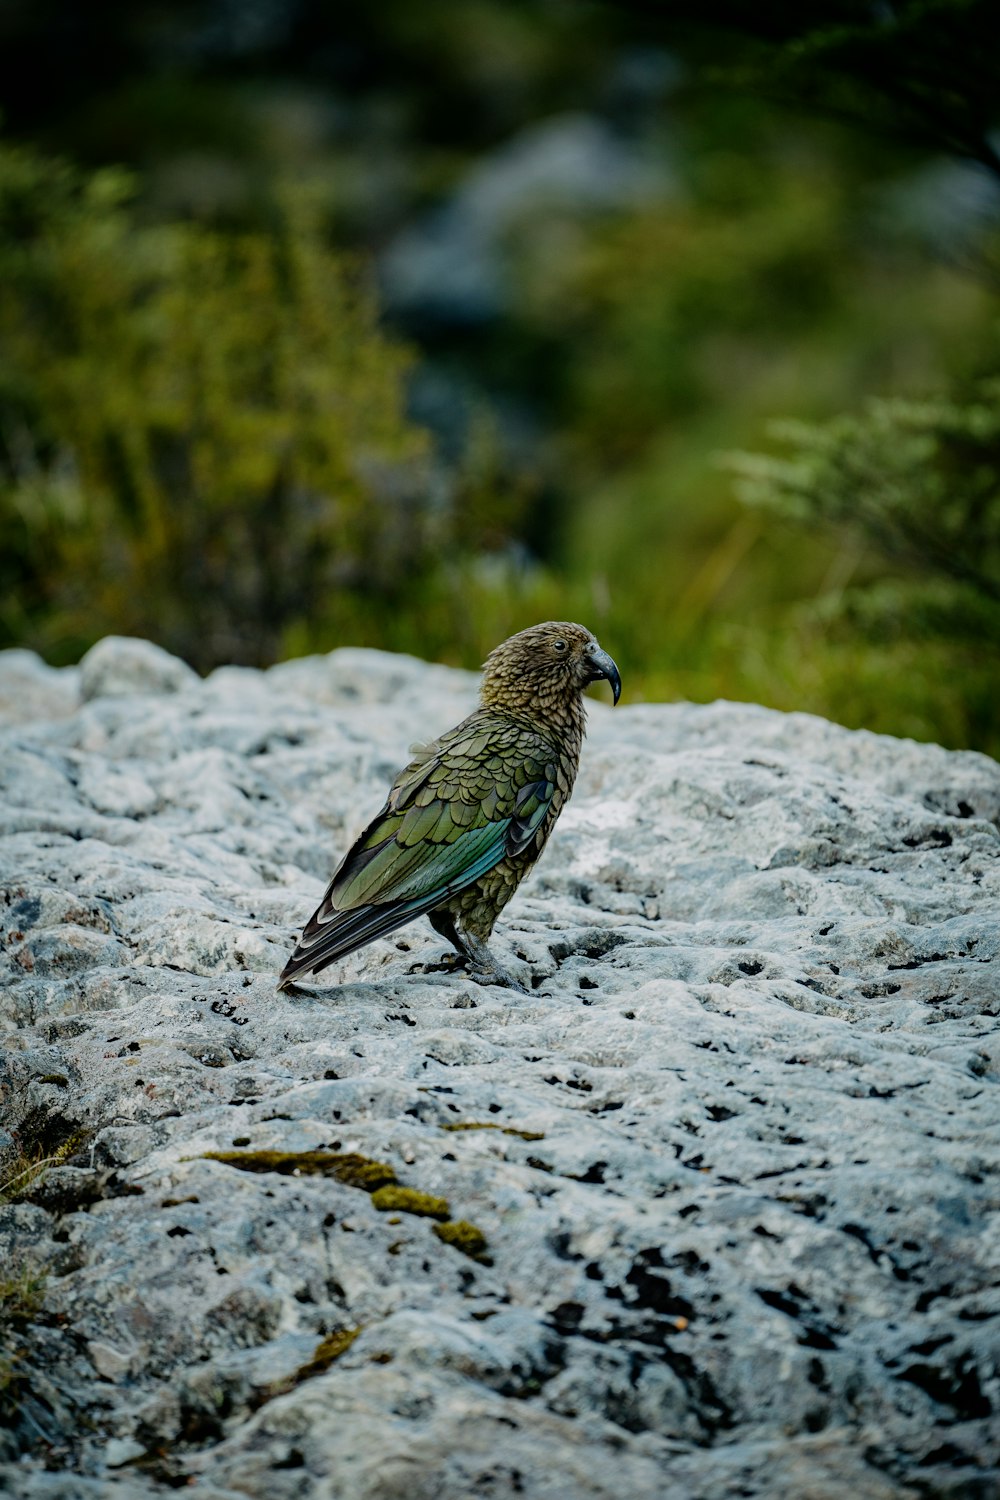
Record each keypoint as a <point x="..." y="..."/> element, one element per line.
<point x="444" y="923"/>
<point x="484" y="968"/>
<point x="472" y="954"/>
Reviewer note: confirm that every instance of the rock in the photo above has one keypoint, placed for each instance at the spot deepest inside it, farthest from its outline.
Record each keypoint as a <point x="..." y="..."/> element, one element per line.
<point x="721" y="1188"/>
<point x="121" y="1451"/>
<point x="32" y="690"/>
<point x="119" y="666"/>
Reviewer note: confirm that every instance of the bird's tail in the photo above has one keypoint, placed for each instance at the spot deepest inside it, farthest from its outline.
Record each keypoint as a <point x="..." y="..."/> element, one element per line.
<point x="331" y="934"/>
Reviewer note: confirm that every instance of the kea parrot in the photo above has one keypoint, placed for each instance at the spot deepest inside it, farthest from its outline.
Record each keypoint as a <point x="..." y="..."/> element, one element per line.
<point x="468" y="817"/>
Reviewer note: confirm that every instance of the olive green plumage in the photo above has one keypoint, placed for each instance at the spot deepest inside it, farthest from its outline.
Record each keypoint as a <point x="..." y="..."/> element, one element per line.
<point x="467" y="818"/>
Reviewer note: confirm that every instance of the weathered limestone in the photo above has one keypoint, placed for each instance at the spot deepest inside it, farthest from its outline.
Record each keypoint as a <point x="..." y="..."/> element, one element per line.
<point x="735" y="1159"/>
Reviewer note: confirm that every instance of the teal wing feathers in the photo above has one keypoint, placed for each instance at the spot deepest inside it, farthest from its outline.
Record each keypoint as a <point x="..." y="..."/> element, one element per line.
<point x="474" y="797"/>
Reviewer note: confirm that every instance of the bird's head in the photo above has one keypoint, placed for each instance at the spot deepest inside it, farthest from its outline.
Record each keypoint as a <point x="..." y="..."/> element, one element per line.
<point x="546" y="666"/>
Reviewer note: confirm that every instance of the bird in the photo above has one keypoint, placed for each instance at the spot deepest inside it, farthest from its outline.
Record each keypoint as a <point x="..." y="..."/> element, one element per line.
<point x="466" y="820"/>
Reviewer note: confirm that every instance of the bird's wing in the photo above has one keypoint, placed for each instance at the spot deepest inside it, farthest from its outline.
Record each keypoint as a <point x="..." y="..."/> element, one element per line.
<point x="479" y="793"/>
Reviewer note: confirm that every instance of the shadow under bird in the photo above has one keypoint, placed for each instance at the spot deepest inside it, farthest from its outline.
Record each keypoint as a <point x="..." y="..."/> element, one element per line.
<point x="469" y="816"/>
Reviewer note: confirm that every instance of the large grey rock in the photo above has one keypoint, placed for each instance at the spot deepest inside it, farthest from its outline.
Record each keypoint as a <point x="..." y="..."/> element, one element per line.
<point x="735" y="1158"/>
<point x="120" y="665"/>
<point x="31" y="690"/>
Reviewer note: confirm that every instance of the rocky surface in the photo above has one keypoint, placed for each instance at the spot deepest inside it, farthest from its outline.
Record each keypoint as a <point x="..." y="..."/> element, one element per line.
<point x="734" y="1160"/>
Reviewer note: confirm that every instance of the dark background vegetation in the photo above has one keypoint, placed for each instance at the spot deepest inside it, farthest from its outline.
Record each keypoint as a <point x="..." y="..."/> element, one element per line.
<point x="408" y="325"/>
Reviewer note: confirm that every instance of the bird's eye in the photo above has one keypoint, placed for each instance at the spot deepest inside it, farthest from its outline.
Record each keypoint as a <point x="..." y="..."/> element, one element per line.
<point x="559" y="645"/>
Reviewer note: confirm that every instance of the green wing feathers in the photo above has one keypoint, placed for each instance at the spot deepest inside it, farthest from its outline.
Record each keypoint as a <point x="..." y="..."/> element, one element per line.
<point x="476" y="796"/>
<point x="395" y="869"/>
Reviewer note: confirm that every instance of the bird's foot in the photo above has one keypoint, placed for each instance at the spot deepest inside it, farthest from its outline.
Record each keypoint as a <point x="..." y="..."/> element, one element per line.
<point x="494" y="973"/>
<point x="483" y="967"/>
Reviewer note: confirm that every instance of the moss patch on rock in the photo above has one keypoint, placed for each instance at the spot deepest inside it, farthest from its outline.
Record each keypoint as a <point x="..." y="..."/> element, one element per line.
<point x="326" y="1351"/>
<point x="462" y="1235"/>
<point x="351" y="1168"/>
<point x="410" y="1201"/>
<point x="525" y="1135"/>
<point x="375" y="1177"/>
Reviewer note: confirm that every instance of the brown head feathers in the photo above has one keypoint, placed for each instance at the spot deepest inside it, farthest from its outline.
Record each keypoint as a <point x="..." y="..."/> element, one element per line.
<point x="545" y="669"/>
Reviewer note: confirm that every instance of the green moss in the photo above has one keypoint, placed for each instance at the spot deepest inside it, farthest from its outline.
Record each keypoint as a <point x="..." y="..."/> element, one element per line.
<point x="524" y="1135"/>
<point x="373" y="1176"/>
<point x="465" y="1237"/>
<point x="328" y="1350"/>
<point x="353" y="1169"/>
<point x="410" y="1201"/>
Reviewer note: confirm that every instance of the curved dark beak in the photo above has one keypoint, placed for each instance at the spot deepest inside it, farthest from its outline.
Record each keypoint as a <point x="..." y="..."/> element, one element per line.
<point x="602" y="665"/>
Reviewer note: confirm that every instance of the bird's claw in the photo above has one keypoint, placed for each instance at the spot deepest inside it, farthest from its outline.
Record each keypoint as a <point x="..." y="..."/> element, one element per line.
<point x="498" y="976"/>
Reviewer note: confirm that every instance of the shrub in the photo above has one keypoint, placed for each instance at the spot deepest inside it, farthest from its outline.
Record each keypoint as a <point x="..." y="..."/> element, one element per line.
<point x="202" y="434"/>
<point x="918" y="480"/>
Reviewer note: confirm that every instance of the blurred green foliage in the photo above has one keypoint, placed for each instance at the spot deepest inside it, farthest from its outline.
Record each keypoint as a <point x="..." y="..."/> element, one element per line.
<point x="204" y="429"/>
<point x="918" y="481"/>
<point x="691" y="323"/>
<point x="202" y="434"/>
<point x="922" y="71"/>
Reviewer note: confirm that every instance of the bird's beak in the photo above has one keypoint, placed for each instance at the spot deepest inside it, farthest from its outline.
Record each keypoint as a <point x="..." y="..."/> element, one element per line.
<point x="601" y="665"/>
